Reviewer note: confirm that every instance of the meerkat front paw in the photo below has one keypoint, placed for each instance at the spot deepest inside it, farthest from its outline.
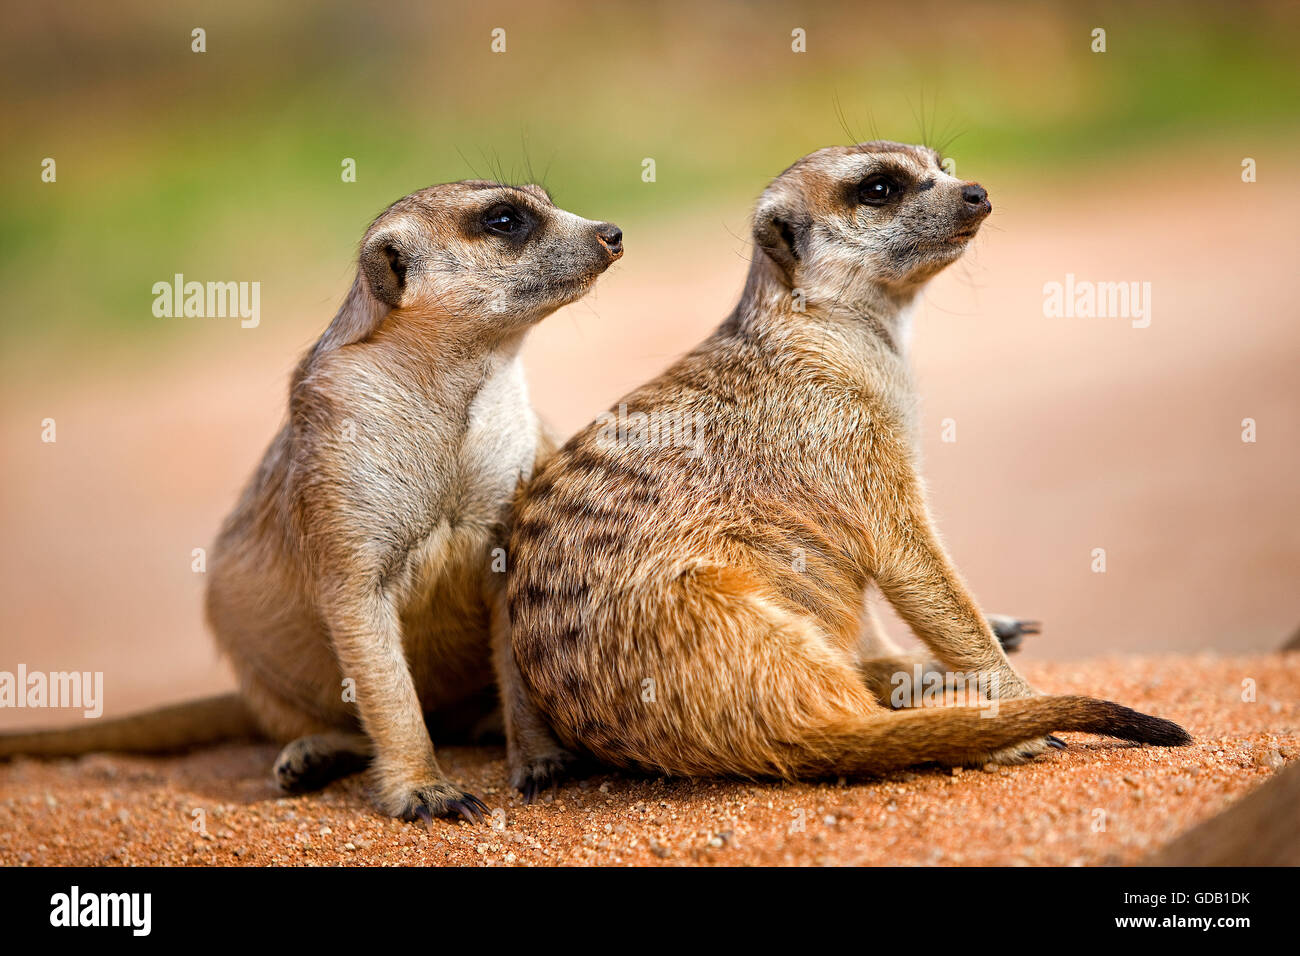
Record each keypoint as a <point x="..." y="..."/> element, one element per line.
<point x="434" y="796"/>
<point x="539" y="772"/>
<point x="1011" y="631"/>
<point x="441" y="799"/>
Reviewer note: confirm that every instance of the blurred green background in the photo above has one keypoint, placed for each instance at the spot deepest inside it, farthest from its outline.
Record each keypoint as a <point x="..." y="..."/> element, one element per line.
<point x="227" y="164"/>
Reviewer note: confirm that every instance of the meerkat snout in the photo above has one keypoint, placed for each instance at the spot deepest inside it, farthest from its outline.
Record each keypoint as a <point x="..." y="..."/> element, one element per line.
<point x="611" y="237"/>
<point x="974" y="210"/>
<point x="977" y="200"/>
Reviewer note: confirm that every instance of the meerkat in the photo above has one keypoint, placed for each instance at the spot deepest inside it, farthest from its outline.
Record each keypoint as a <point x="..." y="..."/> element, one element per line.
<point x="352" y="586"/>
<point x="697" y="608"/>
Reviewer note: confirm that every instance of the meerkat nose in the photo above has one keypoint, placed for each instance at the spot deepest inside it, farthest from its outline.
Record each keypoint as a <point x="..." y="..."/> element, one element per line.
<point x="976" y="195"/>
<point x="611" y="237"/>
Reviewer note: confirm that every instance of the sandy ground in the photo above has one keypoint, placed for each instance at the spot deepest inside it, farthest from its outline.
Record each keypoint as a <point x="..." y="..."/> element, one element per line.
<point x="1098" y="802"/>
<point x="1072" y="435"/>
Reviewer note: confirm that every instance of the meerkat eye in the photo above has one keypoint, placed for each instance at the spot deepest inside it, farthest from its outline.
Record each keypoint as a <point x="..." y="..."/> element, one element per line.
<point x="878" y="190"/>
<point x="503" y="220"/>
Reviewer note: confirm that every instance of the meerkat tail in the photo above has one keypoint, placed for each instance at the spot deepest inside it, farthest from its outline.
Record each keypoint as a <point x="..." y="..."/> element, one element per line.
<point x="963" y="735"/>
<point x="167" y="729"/>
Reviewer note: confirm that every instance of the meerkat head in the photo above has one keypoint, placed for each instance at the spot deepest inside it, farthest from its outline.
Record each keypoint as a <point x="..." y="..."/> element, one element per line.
<point x="847" y="220"/>
<point x="482" y="257"/>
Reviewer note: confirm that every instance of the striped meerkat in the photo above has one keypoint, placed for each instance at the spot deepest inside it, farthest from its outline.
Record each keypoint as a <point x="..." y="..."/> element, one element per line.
<point x="360" y="553"/>
<point x="697" y="607"/>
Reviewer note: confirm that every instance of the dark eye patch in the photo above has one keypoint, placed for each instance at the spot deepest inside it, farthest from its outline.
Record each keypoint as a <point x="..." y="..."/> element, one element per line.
<point x="506" y="220"/>
<point x="503" y="219"/>
<point x="880" y="189"/>
<point x="865" y="191"/>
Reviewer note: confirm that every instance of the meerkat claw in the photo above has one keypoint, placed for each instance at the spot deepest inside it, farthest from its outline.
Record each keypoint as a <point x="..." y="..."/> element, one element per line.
<point x="443" y="801"/>
<point x="535" y="785"/>
<point x="471" y="808"/>
<point x="1056" y="742"/>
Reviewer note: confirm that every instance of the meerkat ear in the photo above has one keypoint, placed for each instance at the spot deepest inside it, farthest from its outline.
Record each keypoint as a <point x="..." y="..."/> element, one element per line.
<point x="378" y="288"/>
<point x="781" y="231"/>
<point x="384" y="263"/>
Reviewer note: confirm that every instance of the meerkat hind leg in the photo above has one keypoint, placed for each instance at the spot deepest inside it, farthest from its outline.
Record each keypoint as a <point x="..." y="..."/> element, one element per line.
<point x="880" y="675"/>
<point x="311" y="762"/>
<point x="782" y="703"/>
<point x="535" y="760"/>
<point x="881" y="659"/>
